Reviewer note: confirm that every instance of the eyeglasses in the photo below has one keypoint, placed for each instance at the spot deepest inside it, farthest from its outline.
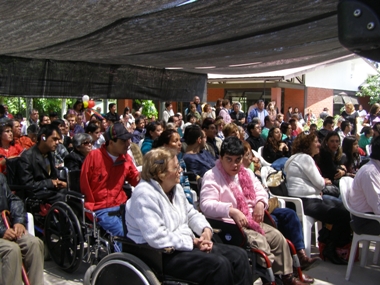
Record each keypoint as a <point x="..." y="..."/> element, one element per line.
<point x="86" y="142"/>
<point x="178" y="168"/>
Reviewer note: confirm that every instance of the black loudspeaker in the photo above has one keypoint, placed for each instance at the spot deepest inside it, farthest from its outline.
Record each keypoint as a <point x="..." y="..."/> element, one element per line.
<point x="359" y="27"/>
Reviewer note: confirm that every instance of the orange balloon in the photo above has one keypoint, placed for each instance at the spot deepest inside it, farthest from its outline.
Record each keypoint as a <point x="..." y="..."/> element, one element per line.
<point x="91" y="104"/>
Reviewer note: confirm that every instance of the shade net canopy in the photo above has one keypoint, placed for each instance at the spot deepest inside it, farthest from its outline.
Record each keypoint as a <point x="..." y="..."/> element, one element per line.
<point x="132" y="49"/>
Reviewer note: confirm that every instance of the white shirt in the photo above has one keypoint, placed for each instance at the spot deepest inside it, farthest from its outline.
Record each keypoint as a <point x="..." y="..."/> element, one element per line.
<point x="364" y="196"/>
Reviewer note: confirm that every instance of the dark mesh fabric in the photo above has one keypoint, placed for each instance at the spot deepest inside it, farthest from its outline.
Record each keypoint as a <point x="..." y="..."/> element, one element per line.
<point x="87" y="41"/>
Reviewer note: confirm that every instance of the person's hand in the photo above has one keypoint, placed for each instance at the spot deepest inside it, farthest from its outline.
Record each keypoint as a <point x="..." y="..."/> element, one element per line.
<point x="339" y="174"/>
<point x="258" y="212"/>
<point x="239" y="218"/>
<point x="61" y="184"/>
<point x="327" y="181"/>
<point x="10" y="234"/>
<point x="204" y="242"/>
<point x="19" y="229"/>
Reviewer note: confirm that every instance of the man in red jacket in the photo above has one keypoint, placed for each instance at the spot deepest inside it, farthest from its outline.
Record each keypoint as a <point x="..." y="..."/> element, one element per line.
<point x="103" y="175"/>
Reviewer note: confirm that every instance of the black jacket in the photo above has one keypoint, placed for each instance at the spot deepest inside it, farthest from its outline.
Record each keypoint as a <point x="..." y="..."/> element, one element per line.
<point x="255" y="142"/>
<point x="31" y="169"/>
<point x="11" y="202"/>
<point x="74" y="160"/>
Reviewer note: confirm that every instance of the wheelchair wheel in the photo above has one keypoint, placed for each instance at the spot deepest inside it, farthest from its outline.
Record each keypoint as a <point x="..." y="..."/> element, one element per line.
<point x="63" y="237"/>
<point x="123" y="268"/>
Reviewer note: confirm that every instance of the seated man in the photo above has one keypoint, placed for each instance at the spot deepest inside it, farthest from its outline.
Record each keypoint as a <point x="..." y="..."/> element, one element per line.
<point x="16" y="244"/>
<point x="213" y="142"/>
<point x="103" y="175"/>
<point x="254" y="131"/>
<point x="364" y="196"/>
<point x="37" y="166"/>
<point x="197" y="159"/>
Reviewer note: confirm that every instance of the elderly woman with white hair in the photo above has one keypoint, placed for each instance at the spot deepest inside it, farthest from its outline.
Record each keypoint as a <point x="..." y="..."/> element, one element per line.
<point x="82" y="144"/>
<point x="159" y="214"/>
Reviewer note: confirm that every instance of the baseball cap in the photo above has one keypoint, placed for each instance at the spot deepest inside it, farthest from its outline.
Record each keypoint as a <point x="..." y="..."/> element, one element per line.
<point x="117" y="131"/>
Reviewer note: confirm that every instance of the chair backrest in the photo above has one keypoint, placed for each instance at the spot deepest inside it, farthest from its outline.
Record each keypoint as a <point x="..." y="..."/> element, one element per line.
<point x="368" y="149"/>
<point x="11" y="171"/>
<point x="345" y="185"/>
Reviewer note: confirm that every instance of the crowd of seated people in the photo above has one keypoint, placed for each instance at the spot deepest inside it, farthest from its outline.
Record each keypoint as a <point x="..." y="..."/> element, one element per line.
<point x="108" y="149"/>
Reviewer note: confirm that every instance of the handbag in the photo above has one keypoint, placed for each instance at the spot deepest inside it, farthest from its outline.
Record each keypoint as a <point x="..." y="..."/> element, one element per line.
<point x="277" y="184"/>
<point x="331" y="190"/>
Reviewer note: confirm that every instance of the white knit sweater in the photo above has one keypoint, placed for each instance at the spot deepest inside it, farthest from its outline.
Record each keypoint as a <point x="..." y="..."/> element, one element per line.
<point x="151" y="218"/>
<point x="303" y="177"/>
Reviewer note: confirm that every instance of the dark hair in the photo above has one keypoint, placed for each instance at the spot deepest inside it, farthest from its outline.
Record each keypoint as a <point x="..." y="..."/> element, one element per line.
<point x="344" y="125"/>
<point x="164" y="138"/>
<point x="313" y="125"/>
<point x="374" y="108"/>
<point x="284" y="127"/>
<point x="207" y="122"/>
<point x="53" y="114"/>
<point x="18" y="116"/>
<point x="267" y="119"/>
<point x="32" y="129"/>
<point x="192" y="133"/>
<point x="252" y="125"/>
<point x="225" y="102"/>
<point x="91" y="127"/>
<point x="167" y="104"/>
<point x="375" y="148"/>
<point x="347" y="144"/>
<point x="232" y="146"/>
<point x="302" y="143"/>
<point x="171" y="119"/>
<point x="271" y="141"/>
<point x="328" y="120"/>
<point x="366" y="130"/>
<point x="41" y="118"/>
<point x="58" y="122"/>
<point x="376" y="127"/>
<point x="189" y="117"/>
<point x="151" y="127"/>
<point x="2" y="109"/>
<point x="79" y="101"/>
<point x="138" y="120"/>
<point x="336" y="156"/>
<point x="110" y="105"/>
<point x="47" y="130"/>
<point x="4" y="126"/>
<point x="126" y="109"/>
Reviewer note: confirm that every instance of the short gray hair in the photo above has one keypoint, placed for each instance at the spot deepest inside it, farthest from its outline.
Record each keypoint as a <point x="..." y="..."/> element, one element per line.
<point x="78" y="139"/>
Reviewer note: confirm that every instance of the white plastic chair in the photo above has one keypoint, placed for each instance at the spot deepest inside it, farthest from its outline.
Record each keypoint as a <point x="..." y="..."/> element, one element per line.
<point x="368" y="149"/>
<point x="307" y="221"/>
<point x="262" y="160"/>
<point x="345" y="185"/>
<point x="30" y="224"/>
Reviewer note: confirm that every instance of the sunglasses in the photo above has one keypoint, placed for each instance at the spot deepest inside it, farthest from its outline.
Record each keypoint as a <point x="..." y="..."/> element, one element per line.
<point x="86" y="142"/>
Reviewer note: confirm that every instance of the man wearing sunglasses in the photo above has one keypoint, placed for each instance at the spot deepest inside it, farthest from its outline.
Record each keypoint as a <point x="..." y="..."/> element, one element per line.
<point x="103" y="176"/>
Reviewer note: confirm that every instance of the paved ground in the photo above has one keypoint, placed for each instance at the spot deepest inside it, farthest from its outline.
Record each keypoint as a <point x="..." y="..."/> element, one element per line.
<point x="325" y="274"/>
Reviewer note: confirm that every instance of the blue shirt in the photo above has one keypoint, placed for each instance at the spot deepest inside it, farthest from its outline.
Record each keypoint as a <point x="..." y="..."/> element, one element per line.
<point x="199" y="163"/>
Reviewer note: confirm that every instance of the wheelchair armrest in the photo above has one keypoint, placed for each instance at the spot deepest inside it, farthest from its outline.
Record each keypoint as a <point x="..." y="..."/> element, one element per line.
<point x="229" y="233"/>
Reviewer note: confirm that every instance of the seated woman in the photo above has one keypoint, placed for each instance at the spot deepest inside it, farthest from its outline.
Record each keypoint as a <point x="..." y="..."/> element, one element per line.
<point x="364" y="196"/>
<point x="275" y="150"/>
<point x="351" y="158"/>
<point x="82" y="146"/>
<point x="153" y="131"/>
<point x="231" y="129"/>
<point x="232" y="193"/>
<point x="330" y="158"/>
<point x="306" y="182"/>
<point x="8" y="148"/>
<point x="286" y="219"/>
<point x="170" y="139"/>
<point x="158" y="214"/>
<point x="94" y="130"/>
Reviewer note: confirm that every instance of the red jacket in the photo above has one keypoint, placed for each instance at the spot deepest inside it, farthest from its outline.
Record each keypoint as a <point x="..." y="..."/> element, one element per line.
<point x="13" y="150"/>
<point x="101" y="179"/>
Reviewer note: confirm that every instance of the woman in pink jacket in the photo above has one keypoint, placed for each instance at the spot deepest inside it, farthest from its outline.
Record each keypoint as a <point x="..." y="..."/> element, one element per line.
<point x="233" y="194"/>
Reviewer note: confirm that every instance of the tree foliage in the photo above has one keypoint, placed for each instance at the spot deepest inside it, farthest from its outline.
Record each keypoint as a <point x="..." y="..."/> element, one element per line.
<point x="43" y="105"/>
<point x="371" y="89"/>
<point x="148" y="108"/>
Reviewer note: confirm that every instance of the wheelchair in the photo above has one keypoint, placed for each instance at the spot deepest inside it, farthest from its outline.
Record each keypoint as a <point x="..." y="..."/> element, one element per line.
<point x="70" y="237"/>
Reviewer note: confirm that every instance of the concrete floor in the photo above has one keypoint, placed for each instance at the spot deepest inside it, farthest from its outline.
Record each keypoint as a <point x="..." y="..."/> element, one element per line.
<point x="325" y="274"/>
